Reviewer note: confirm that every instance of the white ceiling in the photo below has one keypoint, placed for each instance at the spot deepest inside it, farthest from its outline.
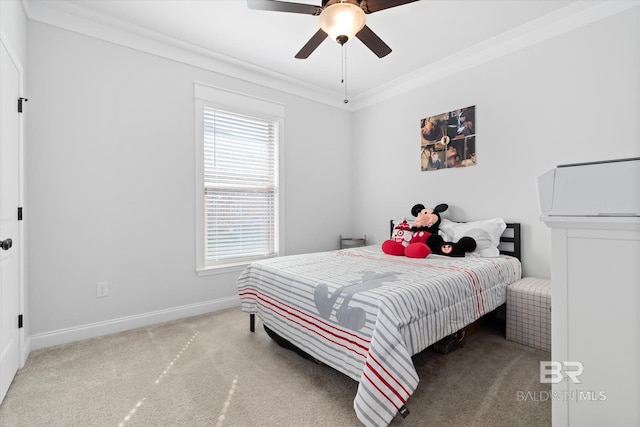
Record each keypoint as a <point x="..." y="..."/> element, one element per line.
<point x="422" y="34"/>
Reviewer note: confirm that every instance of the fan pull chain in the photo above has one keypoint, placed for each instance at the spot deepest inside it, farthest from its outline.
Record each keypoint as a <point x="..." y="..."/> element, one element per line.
<point x="344" y="72"/>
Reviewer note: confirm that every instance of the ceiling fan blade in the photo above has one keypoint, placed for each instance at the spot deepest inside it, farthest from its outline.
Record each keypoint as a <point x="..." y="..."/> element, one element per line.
<point x="373" y="42"/>
<point x="284" y="6"/>
<point x="370" y="6"/>
<point x="312" y="44"/>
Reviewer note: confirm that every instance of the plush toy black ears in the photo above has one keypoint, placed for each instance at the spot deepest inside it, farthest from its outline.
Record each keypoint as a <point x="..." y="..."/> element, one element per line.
<point x="440" y="208"/>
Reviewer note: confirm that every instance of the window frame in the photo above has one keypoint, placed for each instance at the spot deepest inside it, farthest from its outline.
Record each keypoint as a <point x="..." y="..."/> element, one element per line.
<point x="222" y="99"/>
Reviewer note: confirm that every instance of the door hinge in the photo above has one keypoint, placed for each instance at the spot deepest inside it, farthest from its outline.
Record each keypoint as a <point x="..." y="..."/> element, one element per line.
<point x="20" y="213"/>
<point x="20" y="104"/>
<point x="20" y="321"/>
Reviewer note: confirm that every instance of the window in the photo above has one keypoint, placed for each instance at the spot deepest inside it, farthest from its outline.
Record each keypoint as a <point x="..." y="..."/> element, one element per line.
<point x="238" y="191"/>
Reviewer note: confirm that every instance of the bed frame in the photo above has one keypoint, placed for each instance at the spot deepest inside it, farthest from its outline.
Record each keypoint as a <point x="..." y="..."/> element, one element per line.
<point x="509" y="245"/>
<point x="512" y="240"/>
<point x="373" y="396"/>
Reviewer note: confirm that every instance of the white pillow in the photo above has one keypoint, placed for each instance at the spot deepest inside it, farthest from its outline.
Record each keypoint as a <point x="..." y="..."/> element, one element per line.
<point x="486" y="233"/>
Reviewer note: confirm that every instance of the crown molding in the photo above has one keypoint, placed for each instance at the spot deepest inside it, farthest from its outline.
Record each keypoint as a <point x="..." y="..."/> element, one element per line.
<point x="80" y="20"/>
<point x="564" y="20"/>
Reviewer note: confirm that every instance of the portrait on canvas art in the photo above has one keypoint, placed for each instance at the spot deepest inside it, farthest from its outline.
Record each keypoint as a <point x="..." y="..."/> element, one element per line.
<point x="448" y="140"/>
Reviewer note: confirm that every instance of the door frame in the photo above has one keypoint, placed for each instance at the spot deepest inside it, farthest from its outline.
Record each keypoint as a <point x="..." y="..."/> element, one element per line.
<point x="24" y="339"/>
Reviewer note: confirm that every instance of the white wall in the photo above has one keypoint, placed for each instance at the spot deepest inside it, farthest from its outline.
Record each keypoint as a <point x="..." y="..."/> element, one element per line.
<point x="110" y="164"/>
<point x="110" y="157"/>
<point x="570" y="99"/>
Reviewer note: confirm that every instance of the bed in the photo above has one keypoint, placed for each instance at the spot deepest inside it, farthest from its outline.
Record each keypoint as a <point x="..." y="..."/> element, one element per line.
<point x="366" y="313"/>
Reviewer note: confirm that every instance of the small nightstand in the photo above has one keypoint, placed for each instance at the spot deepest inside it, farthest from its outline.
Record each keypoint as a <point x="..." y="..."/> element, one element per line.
<point x="352" y="242"/>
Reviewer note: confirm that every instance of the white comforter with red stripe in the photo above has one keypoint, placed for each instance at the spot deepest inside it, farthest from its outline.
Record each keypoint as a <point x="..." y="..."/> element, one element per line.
<point x="366" y="313"/>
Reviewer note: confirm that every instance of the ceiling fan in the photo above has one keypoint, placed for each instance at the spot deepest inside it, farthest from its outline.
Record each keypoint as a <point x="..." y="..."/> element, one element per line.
<point x="340" y="19"/>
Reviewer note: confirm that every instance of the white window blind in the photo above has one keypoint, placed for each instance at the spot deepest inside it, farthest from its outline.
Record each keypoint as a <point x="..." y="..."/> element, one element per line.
<point x="240" y="187"/>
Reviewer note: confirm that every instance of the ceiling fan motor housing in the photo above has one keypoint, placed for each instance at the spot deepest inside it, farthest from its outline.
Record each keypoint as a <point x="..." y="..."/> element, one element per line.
<point x="326" y="3"/>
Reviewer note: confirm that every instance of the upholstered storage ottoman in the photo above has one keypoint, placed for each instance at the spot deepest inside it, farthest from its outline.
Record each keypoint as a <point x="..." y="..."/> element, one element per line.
<point x="529" y="312"/>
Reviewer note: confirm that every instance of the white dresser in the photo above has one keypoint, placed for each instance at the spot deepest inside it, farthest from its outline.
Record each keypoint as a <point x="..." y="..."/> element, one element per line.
<point x="595" y="288"/>
<point x="593" y="210"/>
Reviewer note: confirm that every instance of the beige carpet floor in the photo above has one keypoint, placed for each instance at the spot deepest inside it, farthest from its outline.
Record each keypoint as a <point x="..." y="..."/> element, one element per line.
<point x="210" y="370"/>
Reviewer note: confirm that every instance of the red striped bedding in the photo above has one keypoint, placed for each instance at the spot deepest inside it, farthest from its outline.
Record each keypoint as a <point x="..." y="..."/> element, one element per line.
<point x="366" y="313"/>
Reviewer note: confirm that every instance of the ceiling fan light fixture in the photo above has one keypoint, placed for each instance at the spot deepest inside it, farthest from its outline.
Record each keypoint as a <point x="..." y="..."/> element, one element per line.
<point x="341" y="20"/>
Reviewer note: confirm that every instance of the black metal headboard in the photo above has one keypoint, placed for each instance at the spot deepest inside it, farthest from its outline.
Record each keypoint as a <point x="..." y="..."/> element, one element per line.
<point x="511" y="238"/>
<point x="509" y="241"/>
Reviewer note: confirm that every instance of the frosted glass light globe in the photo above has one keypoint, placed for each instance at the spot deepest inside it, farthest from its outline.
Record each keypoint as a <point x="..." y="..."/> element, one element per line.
<point x="342" y="19"/>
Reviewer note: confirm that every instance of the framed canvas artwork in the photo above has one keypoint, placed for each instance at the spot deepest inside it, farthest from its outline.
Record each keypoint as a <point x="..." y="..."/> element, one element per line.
<point x="448" y="140"/>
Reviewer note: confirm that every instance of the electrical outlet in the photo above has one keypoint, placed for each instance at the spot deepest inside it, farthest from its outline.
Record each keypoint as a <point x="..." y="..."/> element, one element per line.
<point x="102" y="289"/>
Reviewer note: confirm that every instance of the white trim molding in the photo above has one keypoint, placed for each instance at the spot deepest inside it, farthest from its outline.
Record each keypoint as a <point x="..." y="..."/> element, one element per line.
<point x="569" y="18"/>
<point x="82" y="21"/>
<point x="24" y="331"/>
<point x="573" y="16"/>
<point x="92" y="330"/>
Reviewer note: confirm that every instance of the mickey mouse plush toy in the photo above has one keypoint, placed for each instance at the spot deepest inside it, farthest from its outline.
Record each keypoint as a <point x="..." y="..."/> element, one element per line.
<point x="426" y="224"/>
<point x="438" y="245"/>
<point x="426" y="240"/>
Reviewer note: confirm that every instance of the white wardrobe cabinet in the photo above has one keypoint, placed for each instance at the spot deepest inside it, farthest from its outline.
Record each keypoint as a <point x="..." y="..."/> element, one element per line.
<point x="595" y="317"/>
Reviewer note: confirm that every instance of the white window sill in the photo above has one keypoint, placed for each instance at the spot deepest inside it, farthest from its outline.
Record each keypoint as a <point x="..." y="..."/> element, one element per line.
<point x="222" y="269"/>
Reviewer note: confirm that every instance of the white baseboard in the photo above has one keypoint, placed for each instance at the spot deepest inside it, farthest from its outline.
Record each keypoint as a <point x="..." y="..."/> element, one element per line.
<point x="92" y="330"/>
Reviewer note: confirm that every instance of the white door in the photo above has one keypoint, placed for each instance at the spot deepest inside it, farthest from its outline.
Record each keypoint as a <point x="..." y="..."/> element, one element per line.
<point x="9" y="227"/>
